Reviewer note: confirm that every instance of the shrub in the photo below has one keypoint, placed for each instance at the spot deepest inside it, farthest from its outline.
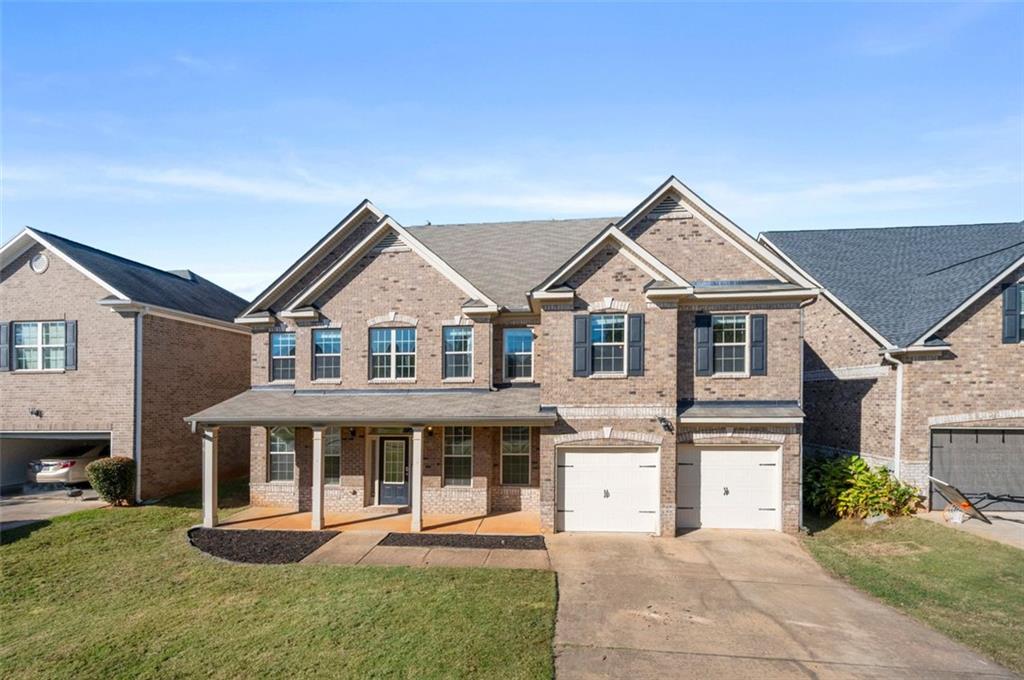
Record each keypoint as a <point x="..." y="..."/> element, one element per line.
<point x="849" y="487"/>
<point x="113" y="479"/>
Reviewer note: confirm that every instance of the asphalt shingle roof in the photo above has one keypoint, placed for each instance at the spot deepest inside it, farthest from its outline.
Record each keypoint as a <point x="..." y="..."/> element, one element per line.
<point x="181" y="290"/>
<point x="506" y="260"/>
<point x="904" y="280"/>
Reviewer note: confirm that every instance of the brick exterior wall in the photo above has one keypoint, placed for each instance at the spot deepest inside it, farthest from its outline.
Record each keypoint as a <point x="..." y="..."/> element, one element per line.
<point x="99" y="395"/>
<point x="187" y="367"/>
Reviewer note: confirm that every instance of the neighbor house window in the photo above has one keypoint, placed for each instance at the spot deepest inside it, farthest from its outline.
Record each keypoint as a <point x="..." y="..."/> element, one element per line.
<point x="392" y="353"/>
<point x="729" y="339"/>
<point x="515" y="455"/>
<point x="458" y="456"/>
<point x="282" y="356"/>
<point x="332" y="456"/>
<point x="326" y="353"/>
<point x="282" y="454"/>
<point x="39" y="345"/>
<point x="518" y="354"/>
<point x="608" y="343"/>
<point x="458" y="351"/>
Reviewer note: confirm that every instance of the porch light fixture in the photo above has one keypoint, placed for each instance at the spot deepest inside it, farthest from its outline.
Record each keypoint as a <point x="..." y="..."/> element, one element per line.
<point x="352" y="433"/>
<point x="665" y="424"/>
<point x="430" y="430"/>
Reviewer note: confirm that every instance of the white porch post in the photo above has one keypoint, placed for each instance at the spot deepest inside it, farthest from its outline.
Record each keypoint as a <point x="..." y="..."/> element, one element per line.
<point x="417" y="479"/>
<point x="318" y="479"/>
<point x="210" y="442"/>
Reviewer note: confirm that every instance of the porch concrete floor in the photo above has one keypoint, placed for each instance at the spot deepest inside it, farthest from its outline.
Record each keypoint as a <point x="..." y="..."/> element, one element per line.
<point x="519" y="523"/>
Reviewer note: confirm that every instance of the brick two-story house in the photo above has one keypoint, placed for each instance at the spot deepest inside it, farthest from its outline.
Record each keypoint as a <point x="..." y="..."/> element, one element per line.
<point x="96" y="348"/>
<point x="640" y="373"/>
<point x="914" y="356"/>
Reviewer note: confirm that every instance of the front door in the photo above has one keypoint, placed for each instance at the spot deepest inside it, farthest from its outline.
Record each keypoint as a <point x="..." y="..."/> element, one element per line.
<point x="394" y="471"/>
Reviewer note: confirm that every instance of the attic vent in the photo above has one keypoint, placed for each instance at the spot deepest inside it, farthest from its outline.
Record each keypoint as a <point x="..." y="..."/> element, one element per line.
<point x="390" y="243"/>
<point x="670" y="207"/>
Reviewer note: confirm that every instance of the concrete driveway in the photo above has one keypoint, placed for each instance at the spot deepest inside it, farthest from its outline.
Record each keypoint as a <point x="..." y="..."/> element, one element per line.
<point x="730" y="604"/>
<point x="19" y="510"/>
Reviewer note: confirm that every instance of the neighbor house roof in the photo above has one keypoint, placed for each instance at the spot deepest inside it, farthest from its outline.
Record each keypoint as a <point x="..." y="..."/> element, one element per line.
<point x="127" y="280"/>
<point x="904" y="281"/>
<point x="506" y="260"/>
<point x="275" y="406"/>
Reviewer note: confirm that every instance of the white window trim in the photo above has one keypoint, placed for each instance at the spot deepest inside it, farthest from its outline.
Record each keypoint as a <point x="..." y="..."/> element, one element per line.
<point x="270" y="454"/>
<point x="745" y="373"/>
<point x="294" y="357"/>
<point x="624" y="343"/>
<point x="505" y="353"/>
<point x="38" y="346"/>
<point x="394" y="354"/>
<point x="328" y="454"/>
<point x="341" y="348"/>
<point x="445" y="353"/>
<point x="445" y="455"/>
<point x="528" y="454"/>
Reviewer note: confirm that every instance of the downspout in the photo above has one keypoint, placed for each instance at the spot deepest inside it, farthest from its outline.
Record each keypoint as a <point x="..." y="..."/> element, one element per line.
<point x="897" y="448"/>
<point x="138" y="406"/>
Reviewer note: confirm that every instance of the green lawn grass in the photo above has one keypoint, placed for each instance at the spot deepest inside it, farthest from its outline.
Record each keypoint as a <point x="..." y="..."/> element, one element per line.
<point x="119" y="593"/>
<point x="966" y="587"/>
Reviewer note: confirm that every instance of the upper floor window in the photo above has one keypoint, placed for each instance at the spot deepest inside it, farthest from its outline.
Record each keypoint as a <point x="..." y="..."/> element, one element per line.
<point x="326" y="353"/>
<point x="393" y="353"/>
<point x="39" y="345"/>
<point x="458" y="351"/>
<point x="608" y="343"/>
<point x="518" y="354"/>
<point x="729" y="344"/>
<point x="332" y="456"/>
<point x="458" y="456"/>
<point x="282" y="454"/>
<point x="515" y="455"/>
<point x="282" y="356"/>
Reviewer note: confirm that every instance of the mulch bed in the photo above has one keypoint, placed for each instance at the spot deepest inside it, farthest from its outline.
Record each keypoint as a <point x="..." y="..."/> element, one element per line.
<point x="258" y="546"/>
<point x="465" y="541"/>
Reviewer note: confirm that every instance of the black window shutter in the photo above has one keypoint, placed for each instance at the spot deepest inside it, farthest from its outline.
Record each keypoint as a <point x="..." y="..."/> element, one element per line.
<point x="1011" y="313"/>
<point x="70" y="345"/>
<point x="5" y="346"/>
<point x="758" y="344"/>
<point x="702" y="342"/>
<point x="636" y="344"/>
<point x="581" y="345"/>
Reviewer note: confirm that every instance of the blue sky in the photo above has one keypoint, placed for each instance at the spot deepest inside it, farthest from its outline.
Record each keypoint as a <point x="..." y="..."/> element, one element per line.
<point x="228" y="138"/>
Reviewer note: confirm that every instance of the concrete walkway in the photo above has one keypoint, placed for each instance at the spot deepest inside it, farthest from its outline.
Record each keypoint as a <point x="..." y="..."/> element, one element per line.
<point x="1006" y="528"/>
<point x="362" y="548"/>
<point x="730" y="604"/>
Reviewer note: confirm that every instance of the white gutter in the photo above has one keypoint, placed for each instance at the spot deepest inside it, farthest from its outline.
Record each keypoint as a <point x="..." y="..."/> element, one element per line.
<point x="897" y="448"/>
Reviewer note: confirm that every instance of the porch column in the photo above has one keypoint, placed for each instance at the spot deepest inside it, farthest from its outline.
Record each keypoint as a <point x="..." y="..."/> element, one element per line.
<point x="417" y="479"/>
<point x="211" y="438"/>
<point x="318" y="479"/>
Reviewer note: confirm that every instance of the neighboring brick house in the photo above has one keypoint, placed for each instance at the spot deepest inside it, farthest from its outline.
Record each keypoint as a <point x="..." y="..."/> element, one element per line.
<point x="640" y="373"/>
<point x="914" y="356"/>
<point x="98" y="348"/>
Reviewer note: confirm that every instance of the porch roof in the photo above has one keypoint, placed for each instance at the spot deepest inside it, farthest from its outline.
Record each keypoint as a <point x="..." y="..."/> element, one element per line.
<point x="290" y="407"/>
<point x="726" y="412"/>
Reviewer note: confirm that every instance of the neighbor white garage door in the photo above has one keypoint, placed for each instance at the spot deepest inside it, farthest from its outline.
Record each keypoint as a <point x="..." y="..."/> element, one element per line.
<point x="729" y="488"/>
<point x="607" y="490"/>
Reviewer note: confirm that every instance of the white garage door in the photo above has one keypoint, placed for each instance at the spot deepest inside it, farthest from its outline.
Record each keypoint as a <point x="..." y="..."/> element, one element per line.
<point x="609" y="490"/>
<point x="728" y="488"/>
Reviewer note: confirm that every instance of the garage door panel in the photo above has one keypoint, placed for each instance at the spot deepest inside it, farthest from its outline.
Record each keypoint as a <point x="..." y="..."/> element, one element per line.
<point x="608" y="491"/>
<point x="986" y="465"/>
<point x="728" y="488"/>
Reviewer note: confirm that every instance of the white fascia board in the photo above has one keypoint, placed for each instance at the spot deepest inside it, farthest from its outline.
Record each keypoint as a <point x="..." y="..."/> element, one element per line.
<point x="709" y="420"/>
<point x="917" y="349"/>
<point x="308" y="313"/>
<point x="800" y="294"/>
<point x="721" y="224"/>
<point x="969" y="301"/>
<point x="634" y="251"/>
<point x="865" y="326"/>
<point x="176" y="315"/>
<point x="23" y="241"/>
<point x="548" y="295"/>
<point x="255" y="320"/>
<point x="300" y="267"/>
<point x="668" y="292"/>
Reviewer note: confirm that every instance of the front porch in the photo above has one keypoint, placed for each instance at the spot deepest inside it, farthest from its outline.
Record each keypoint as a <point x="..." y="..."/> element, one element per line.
<point x="516" y="523"/>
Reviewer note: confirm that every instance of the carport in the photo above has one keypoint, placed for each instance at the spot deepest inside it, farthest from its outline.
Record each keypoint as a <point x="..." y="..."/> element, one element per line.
<point x="17" y="448"/>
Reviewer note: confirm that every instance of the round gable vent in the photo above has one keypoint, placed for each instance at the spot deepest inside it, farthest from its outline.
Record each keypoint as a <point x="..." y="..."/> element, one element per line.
<point x="39" y="263"/>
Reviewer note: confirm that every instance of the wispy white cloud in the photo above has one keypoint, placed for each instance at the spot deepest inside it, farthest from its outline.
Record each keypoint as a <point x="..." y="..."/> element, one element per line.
<point x="894" y="37"/>
<point x="205" y="65"/>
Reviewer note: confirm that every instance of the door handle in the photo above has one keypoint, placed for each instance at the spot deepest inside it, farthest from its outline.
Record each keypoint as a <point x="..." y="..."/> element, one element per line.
<point x="725" y="491"/>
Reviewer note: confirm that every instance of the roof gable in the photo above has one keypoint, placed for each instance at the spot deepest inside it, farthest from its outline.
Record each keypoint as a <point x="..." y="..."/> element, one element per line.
<point x="905" y="282"/>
